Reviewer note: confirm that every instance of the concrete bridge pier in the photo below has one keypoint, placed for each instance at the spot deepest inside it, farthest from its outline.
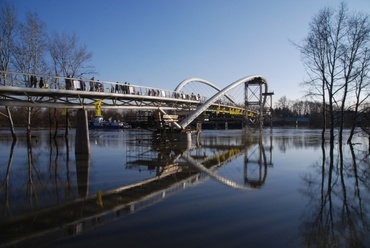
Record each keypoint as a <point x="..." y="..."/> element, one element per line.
<point x="82" y="142"/>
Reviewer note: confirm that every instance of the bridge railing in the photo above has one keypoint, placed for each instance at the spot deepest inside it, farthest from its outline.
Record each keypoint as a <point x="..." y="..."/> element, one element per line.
<point x="16" y="79"/>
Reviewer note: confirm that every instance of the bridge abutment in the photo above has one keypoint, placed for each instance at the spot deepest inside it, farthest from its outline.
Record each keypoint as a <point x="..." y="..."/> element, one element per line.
<point x="82" y="142"/>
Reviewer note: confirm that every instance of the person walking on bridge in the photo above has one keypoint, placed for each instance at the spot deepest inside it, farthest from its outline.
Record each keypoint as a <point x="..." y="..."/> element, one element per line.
<point x="34" y="82"/>
<point x="68" y="82"/>
<point x="82" y="85"/>
<point x="30" y="81"/>
<point x="41" y="83"/>
<point x="92" y="84"/>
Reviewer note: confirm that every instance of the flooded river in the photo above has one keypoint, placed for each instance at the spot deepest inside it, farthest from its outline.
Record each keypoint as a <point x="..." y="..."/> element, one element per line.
<point x="231" y="188"/>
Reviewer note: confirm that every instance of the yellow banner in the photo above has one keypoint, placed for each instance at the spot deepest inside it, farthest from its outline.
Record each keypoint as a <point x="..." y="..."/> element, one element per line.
<point x="98" y="108"/>
<point x="64" y="111"/>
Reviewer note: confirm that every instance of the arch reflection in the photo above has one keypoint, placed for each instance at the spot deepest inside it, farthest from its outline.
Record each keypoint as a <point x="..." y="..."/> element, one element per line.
<point x="66" y="198"/>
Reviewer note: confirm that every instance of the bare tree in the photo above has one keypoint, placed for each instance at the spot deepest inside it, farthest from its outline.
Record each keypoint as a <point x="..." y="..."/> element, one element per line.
<point x="30" y="50"/>
<point x="24" y="47"/>
<point x="69" y="59"/>
<point x="68" y="56"/>
<point x="333" y="53"/>
<point x="298" y="108"/>
<point x="360" y="109"/>
<point x="8" y="23"/>
<point x="283" y="102"/>
<point x="356" y="66"/>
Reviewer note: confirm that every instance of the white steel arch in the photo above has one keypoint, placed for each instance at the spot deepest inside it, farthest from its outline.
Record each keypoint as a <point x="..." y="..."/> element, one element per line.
<point x="184" y="123"/>
<point x="189" y="80"/>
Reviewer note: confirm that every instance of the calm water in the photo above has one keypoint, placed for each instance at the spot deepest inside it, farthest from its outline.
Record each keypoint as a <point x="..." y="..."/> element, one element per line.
<point x="235" y="189"/>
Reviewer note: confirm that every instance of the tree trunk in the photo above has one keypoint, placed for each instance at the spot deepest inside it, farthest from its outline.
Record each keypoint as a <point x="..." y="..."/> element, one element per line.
<point x="341" y="117"/>
<point x="11" y="123"/>
<point x="331" y="114"/>
<point x="324" y="123"/>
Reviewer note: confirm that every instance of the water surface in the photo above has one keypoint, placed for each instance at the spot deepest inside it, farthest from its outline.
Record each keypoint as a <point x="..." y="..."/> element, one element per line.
<point x="234" y="189"/>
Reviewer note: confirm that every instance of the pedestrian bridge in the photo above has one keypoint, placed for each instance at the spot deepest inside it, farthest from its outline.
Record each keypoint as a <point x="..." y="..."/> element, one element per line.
<point x="247" y="96"/>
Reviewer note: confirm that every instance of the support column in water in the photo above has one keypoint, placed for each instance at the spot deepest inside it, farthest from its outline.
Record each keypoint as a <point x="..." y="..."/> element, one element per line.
<point x="82" y="141"/>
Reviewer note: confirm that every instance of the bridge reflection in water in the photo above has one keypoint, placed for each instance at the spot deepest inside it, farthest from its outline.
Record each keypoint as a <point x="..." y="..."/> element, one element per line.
<point x="176" y="165"/>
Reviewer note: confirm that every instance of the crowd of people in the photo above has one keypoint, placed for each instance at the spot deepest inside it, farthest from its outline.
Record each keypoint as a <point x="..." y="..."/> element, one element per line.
<point x="192" y="96"/>
<point x="125" y="88"/>
<point x="97" y="86"/>
<point x="33" y="82"/>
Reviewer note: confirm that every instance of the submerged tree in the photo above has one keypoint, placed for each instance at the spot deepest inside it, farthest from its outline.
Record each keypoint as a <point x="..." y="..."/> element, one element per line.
<point x="335" y="55"/>
<point x="69" y="59"/>
<point x="8" y="25"/>
<point x="29" y="52"/>
<point x="25" y="47"/>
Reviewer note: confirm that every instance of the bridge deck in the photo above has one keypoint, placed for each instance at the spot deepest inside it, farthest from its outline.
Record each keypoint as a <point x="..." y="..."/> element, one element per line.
<point x="74" y="99"/>
<point x="65" y="92"/>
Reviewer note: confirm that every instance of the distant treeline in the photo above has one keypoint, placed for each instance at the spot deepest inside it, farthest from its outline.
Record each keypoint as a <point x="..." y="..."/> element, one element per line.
<point x="286" y="113"/>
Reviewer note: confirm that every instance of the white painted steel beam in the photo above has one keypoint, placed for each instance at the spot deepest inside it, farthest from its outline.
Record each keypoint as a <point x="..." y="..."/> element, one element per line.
<point x="189" y="80"/>
<point x="184" y="123"/>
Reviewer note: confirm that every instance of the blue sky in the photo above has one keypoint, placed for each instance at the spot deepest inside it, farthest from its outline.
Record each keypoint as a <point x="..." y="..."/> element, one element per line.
<point x="159" y="43"/>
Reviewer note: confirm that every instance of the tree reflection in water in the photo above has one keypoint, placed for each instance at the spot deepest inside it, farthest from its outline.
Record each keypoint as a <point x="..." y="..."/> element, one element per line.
<point x="5" y="184"/>
<point x="33" y="182"/>
<point x="338" y="212"/>
<point x="32" y="172"/>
